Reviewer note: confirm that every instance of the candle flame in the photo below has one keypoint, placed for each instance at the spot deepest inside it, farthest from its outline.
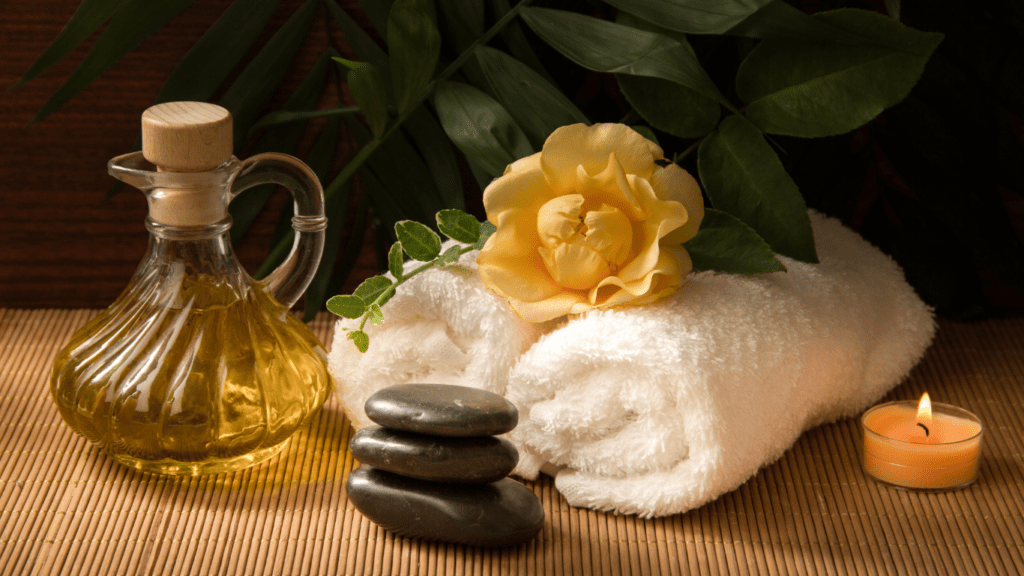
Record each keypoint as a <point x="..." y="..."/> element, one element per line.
<point x="924" y="409"/>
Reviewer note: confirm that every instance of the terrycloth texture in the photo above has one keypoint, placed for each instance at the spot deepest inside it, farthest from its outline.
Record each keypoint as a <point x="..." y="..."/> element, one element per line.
<point x="658" y="409"/>
<point x="442" y="326"/>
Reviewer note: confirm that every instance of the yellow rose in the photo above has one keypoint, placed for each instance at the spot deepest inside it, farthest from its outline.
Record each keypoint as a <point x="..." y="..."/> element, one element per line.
<point x="589" y="222"/>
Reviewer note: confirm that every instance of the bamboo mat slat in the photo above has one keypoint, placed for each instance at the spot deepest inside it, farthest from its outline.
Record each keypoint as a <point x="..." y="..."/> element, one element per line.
<point x="65" y="508"/>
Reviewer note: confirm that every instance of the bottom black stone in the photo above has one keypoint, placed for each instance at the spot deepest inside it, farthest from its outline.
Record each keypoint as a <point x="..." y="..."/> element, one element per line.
<point x="502" y="513"/>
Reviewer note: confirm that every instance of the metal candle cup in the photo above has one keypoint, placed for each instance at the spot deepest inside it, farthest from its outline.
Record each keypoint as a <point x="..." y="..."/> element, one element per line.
<point x="906" y="450"/>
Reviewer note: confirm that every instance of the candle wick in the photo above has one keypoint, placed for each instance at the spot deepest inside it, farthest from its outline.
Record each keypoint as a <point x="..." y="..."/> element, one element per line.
<point x="926" y="433"/>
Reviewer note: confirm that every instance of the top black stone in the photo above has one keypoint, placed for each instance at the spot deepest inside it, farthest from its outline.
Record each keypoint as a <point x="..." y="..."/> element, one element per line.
<point x="442" y="410"/>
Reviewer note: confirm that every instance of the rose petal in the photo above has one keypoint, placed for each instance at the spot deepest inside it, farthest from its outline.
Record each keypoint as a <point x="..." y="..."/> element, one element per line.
<point x="665" y="279"/>
<point x="610" y="186"/>
<point x="609" y="233"/>
<point x="518" y="280"/>
<point x="509" y="263"/>
<point x="574" y="266"/>
<point x="657" y="209"/>
<point x="549" y="308"/>
<point x="667" y="275"/>
<point x="666" y="284"/>
<point x="558" y="219"/>
<point x="589" y="146"/>
<point x="531" y="162"/>
<point x="674" y="183"/>
<point x="663" y="218"/>
<point x="520" y="188"/>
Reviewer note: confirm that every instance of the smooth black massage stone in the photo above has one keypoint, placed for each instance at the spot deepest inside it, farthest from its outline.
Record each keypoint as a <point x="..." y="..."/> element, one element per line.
<point x="502" y="513"/>
<point x="442" y="410"/>
<point x="473" y="460"/>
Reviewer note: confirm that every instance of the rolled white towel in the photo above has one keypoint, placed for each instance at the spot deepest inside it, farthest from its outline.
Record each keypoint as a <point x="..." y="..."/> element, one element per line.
<point x="442" y="326"/>
<point x="658" y="409"/>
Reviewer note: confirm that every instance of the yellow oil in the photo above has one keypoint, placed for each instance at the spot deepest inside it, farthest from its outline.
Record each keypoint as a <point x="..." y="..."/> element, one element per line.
<point x="200" y="380"/>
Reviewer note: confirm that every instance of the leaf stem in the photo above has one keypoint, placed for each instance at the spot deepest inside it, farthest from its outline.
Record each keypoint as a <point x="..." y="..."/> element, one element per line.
<point x="685" y="153"/>
<point x="279" y="251"/>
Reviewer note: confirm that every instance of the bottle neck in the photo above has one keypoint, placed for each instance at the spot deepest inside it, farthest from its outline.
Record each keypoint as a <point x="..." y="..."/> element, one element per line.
<point x="187" y="233"/>
<point x="193" y="265"/>
<point x="179" y="198"/>
<point x="194" y="207"/>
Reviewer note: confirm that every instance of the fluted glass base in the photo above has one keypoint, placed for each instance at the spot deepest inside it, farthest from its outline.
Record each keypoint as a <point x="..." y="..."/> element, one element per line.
<point x="211" y="466"/>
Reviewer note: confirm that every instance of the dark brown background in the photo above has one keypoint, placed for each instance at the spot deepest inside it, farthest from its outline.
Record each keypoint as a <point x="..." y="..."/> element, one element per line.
<point x="61" y="245"/>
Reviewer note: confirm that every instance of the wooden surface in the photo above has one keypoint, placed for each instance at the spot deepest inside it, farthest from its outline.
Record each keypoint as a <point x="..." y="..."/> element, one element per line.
<point x="60" y="243"/>
<point x="65" y="508"/>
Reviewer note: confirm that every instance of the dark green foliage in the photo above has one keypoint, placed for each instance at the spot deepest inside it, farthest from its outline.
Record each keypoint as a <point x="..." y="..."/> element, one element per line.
<point x="743" y="177"/>
<point x="726" y="244"/>
<point x="911" y="133"/>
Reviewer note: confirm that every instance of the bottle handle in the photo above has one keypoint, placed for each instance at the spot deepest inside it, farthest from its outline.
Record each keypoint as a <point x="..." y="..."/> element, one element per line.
<point x="291" y="278"/>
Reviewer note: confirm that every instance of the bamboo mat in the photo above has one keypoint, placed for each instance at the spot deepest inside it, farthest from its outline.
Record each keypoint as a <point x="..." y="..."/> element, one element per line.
<point x="67" y="509"/>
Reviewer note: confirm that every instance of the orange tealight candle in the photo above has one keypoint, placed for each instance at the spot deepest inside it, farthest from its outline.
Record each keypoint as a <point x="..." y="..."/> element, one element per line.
<point x="923" y="447"/>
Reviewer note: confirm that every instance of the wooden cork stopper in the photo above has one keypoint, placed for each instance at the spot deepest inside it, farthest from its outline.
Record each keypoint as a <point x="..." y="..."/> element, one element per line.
<point x="186" y="136"/>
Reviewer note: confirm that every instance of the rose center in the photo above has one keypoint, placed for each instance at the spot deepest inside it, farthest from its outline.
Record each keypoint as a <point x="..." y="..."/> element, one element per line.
<point x="582" y="247"/>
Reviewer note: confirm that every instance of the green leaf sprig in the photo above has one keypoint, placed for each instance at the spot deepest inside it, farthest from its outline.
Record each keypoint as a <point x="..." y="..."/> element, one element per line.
<point x="420" y="243"/>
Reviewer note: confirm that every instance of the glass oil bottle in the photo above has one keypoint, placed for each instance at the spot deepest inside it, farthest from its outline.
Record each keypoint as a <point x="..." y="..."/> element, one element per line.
<point x="197" y="368"/>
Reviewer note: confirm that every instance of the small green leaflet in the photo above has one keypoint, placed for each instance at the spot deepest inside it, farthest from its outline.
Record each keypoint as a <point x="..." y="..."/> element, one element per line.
<point x="418" y="241"/>
<point x="367" y="300"/>
<point x="360" y="339"/>
<point x="450" y="256"/>
<point x="375" y="314"/>
<point x="395" y="261"/>
<point x="458" y="226"/>
<point x="347" y="306"/>
<point x="371" y="288"/>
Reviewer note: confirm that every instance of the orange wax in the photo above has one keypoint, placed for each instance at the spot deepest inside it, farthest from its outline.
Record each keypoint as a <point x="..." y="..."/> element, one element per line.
<point x="897" y="450"/>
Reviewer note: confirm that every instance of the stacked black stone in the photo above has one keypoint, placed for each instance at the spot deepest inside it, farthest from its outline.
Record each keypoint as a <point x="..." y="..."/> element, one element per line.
<point x="434" y="468"/>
